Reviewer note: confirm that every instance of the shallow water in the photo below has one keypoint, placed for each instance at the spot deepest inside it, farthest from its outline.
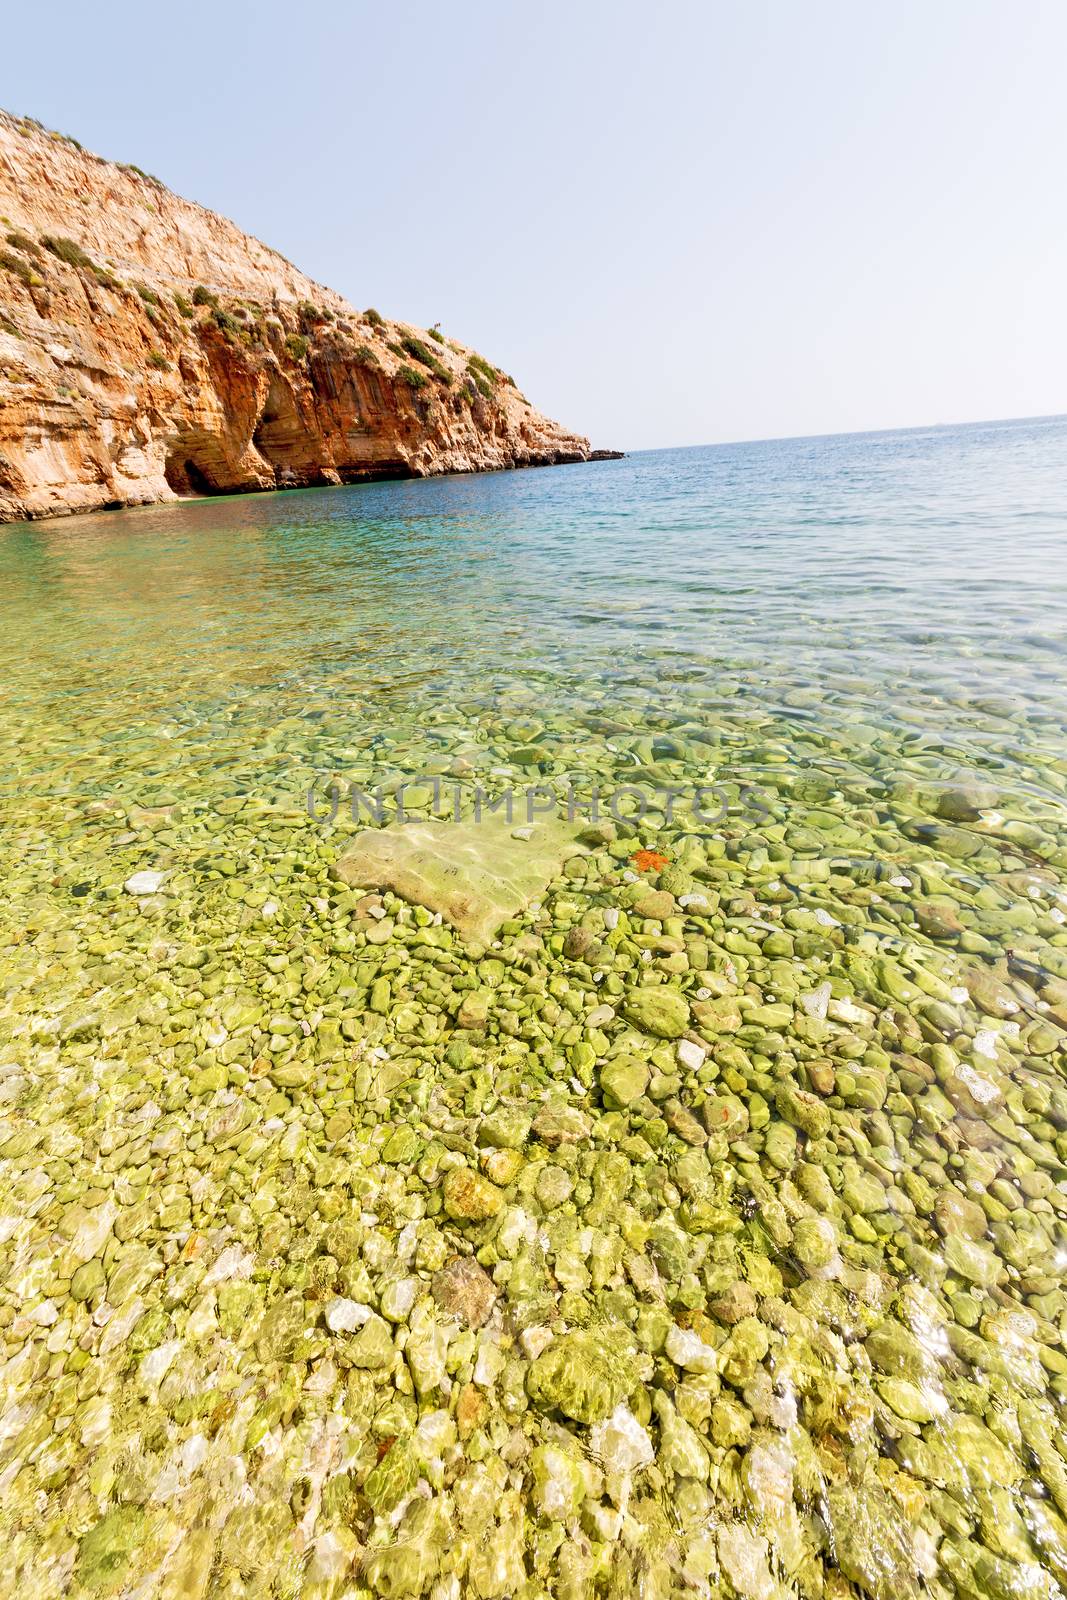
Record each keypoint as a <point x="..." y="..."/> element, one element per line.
<point x="771" y="1305"/>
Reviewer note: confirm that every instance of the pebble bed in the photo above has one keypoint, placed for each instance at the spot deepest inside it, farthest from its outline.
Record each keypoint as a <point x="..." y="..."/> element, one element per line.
<point x="702" y="1233"/>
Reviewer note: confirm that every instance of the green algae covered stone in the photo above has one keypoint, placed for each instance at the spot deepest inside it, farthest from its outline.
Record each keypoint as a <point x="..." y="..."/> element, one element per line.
<point x="106" y="1551"/>
<point x="815" y="1242"/>
<point x="963" y="1456"/>
<point x="972" y="1260"/>
<point x="803" y="1110"/>
<point x="395" y="1475"/>
<point x="662" y="1012"/>
<point x="507" y="1128"/>
<point x="469" y="1197"/>
<point x="872" y="1543"/>
<point x="896" y="1351"/>
<point x="558" y="1483"/>
<point x="372" y="1345"/>
<point x="584" y="1374"/>
<point x="623" y="1080"/>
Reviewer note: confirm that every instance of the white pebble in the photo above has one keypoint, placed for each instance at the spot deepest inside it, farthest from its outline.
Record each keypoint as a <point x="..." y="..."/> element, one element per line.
<point x="688" y="1350"/>
<point x="846" y="1011"/>
<point x="815" y="1002"/>
<point x="534" y="1340"/>
<point x="144" y="882"/>
<point x="233" y="1262"/>
<point x="689" y="1054"/>
<point x="346" y="1316"/>
<point x="96" y="1421"/>
<point x="489" y="1365"/>
<point x="157" y="1363"/>
<point x="621" y="1443"/>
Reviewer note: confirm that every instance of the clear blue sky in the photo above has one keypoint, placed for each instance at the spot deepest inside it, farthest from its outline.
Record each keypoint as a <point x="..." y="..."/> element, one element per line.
<point x="673" y="224"/>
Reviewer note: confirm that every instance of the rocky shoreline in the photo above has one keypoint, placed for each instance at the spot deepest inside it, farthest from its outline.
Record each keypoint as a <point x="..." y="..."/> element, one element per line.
<point x="150" y="350"/>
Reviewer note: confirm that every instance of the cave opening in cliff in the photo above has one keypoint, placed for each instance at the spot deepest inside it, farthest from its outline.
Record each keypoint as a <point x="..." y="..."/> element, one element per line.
<point x="281" y="435"/>
<point x="185" y="477"/>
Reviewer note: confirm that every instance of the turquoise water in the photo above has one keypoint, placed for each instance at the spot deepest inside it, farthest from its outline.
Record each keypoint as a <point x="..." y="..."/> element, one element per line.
<point x="816" y="1234"/>
<point x="913" y="578"/>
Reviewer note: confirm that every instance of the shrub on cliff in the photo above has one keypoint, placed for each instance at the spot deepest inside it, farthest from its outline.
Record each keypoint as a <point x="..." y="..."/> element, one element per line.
<point x="21" y="241"/>
<point x="415" y="348"/>
<point x="183" y="305"/>
<point x="375" y="318"/>
<point x="364" y="356"/>
<point x="229" y="325"/>
<point x="413" y="379"/>
<point x="66" y="250"/>
<point x="18" y="268"/>
<point x="157" y="359"/>
<point x="489" y="373"/>
<point x="480" y="382"/>
<point x="149" y="296"/>
<point x="28" y="125"/>
<point x="139" y="172"/>
<point x="204" y="297"/>
<point x="297" y="346"/>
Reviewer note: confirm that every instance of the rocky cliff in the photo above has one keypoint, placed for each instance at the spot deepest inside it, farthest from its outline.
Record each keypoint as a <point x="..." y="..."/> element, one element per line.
<point x="149" y="348"/>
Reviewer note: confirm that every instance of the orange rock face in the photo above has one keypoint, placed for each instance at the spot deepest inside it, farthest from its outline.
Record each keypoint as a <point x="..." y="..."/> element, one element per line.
<point x="150" y="349"/>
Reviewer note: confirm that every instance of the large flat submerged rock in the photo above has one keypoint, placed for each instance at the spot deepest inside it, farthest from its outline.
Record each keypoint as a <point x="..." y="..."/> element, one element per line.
<point x="475" y="873"/>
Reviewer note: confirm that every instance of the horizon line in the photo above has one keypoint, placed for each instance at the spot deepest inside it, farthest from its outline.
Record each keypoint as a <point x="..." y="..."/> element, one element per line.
<point x="851" y="433"/>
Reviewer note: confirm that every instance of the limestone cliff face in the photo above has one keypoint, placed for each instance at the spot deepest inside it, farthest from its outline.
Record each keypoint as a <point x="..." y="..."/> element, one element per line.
<point x="149" y="348"/>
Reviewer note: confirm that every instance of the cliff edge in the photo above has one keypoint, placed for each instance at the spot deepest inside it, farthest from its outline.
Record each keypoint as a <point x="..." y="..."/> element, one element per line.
<point x="150" y="349"/>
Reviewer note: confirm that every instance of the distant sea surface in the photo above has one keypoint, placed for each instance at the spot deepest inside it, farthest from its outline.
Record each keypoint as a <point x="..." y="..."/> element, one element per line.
<point x="876" y="598"/>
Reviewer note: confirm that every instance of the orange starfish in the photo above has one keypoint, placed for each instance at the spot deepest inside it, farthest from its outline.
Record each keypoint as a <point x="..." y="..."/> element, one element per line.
<point x="648" y="860"/>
